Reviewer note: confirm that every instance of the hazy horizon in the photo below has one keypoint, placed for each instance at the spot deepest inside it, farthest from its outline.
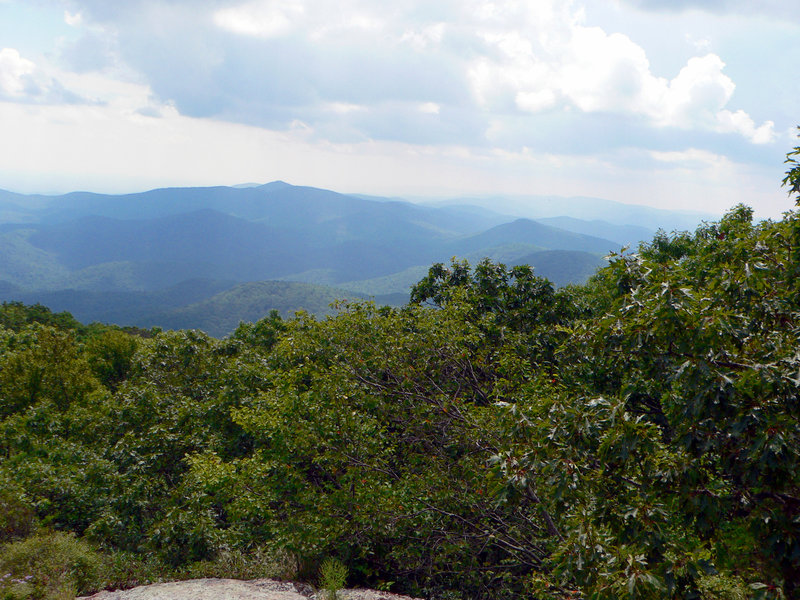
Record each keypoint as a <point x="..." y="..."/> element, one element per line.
<point x="517" y="202"/>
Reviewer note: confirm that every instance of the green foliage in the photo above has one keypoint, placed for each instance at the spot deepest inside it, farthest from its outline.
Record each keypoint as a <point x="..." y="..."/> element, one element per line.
<point x="237" y="564"/>
<point x="41" y="363"/>
<point x="697" y="360"/>
<point x="517" y="299"/>
<point x="716" y="587"/>
<point x="49" y="566"/>
<point x="262" y="334"/>
<point x="17" y="516"/>
<point x="332" y="577"/>
<point x="371" y="443"/>
<point x="15" y="316"/>
<point x="792" y="179"/>
<point x="176" y="402"/>
<point x="110" y="356"/>
<point x="130" y="569"/>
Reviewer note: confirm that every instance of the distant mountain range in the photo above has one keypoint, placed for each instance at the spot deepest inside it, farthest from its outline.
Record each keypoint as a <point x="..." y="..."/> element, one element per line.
<point x="595" y="210"/>
<point x="210" y="257"/>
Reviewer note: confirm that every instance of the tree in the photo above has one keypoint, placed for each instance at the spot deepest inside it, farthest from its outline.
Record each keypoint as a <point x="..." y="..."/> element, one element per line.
<point x="671" y="443"/>
<point x="371" y="444"/>
<point x="41" y="363"/>
<point x="110" y="356"/>
<point x="792" y="179"/>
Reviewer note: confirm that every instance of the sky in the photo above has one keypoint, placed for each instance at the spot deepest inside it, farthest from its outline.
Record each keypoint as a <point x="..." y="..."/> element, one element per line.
<point x="680" y="104"/>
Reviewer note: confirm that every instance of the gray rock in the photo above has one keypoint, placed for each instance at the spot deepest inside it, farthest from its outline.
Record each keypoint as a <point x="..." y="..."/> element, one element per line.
<point x="362" y="594"/>
<point x="208" y="589"/>
<point x="232" y="589"/>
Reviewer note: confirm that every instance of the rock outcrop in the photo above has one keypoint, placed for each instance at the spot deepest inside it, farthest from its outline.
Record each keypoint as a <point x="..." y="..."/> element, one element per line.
<point x="232" y="589"/>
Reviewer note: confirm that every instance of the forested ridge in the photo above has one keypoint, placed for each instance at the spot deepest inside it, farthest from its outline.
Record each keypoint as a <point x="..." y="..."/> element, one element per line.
<point x="207" y="258"/>
<point x="633" y="437"/>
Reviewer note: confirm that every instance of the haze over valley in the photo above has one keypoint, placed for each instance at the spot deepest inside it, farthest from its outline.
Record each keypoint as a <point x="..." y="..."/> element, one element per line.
<point x="209" y="257"/>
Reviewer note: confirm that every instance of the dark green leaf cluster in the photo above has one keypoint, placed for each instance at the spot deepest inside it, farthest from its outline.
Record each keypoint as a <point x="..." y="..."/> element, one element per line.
<point x="15" y="316"/>
<point x="792" y="179"/>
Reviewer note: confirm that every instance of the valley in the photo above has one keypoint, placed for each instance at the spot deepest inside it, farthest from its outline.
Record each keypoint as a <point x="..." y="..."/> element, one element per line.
<point x="210" y="257"/>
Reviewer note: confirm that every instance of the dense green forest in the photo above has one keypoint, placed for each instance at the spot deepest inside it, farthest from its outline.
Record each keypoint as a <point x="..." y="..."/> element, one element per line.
<point x="634" y="437"/>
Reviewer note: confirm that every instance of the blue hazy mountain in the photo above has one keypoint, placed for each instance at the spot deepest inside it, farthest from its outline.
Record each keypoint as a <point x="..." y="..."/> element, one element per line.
<point x="118" y="257"/>
<point x="562" y="267"/>
<point x="624" y="235"/>
<point x="586" y="209"/>
<point x="526" y="231"/>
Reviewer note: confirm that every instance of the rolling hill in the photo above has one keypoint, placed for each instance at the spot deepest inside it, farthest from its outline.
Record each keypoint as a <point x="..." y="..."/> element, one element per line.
<point x="526" y="231"/>
<point x="624" y="235"/>
<point x="210" y="257"/>
<point x="222" y="313"/>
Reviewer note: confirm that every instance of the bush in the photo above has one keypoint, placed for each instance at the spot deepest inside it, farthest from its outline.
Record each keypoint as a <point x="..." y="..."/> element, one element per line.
<point x="50" y="565"/>
<point x="332" y="577"/>
<point x="132" y="569"/>
<point x="236" y="564"/>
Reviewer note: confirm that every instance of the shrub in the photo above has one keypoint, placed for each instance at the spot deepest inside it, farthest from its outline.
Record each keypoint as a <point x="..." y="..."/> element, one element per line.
<point x="50" y="565"/>
<point x="236" y="564"/>
<point x="332" y="577"/>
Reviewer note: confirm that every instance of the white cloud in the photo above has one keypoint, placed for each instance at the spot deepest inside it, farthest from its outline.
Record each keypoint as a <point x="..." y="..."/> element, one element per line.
<point x="343" y="108"/>
<point x="536" y="101"/>
<point x="483" y="58"/>
<point x="697" y="97"/>
<point x="699" y="44"/>
<point x="273" y="18"/>
<point x="126" y="96"/>
<point x="603" y="72"/>
<point x="73" y="20"/>
<point x="22" y="80"/>
<point x="696" y="94"/>
<point x="426" y="37"/>
<point x="741" y="123"/>
<point x="517" y="76"/>
<point x="693" y="157"/>
<point x="587" y="68"/>
<point x="430" y="108"/>
<point x="261" y="19"/>
<point x="15" y="73"/>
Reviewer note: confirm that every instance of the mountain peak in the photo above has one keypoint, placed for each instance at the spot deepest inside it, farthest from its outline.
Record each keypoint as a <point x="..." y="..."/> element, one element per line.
<point x="274" y="185"/>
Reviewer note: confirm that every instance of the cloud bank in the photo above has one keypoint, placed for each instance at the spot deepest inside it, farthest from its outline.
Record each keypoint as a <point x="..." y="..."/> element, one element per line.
<point x="277" y="63"/>
<point x="479" y="95"/>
